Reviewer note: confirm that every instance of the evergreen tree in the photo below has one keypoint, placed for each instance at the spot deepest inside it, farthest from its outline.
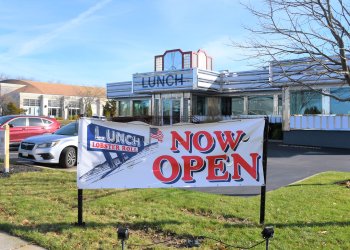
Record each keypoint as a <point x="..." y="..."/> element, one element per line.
<point x="110" y="108"/>
<point x="88" y="110"/>
<point x="12" y="109"/>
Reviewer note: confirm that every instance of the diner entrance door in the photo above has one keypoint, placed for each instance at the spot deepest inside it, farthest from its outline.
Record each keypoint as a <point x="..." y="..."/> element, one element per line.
<point x="171" y="111"/>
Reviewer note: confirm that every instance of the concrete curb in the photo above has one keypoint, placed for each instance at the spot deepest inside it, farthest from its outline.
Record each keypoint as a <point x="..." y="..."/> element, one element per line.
<point x="306" y="178"/>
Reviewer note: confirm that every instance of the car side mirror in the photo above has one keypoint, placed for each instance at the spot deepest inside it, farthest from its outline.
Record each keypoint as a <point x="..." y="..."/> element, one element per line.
<point x="11" y="125"/>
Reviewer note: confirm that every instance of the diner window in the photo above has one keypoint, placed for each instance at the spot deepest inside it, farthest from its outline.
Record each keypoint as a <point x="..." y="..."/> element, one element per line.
<point x="172" y="60"/>
<point x="279" y="111"/>
<point x="185" y="108"/>
<point x="200" y="105"/>
<point x="339" y="107"/>
<point x="226" y="106"/>
<point x="260" y="105"/>
<point x="187" y="61"/>
<point x="159" y="63"/>
<point x="237" y="105"/>
<point x="140" y="107"/>
<point x="124" y="108"/>
<point x="305" y="102"/>
<point x="156" y="107"/>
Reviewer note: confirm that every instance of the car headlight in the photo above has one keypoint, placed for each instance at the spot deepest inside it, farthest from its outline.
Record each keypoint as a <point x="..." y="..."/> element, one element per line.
<point x="48" y="144"/>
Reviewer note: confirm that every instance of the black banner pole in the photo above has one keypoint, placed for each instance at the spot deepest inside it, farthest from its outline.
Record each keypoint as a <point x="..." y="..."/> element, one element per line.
<point x="264" y="162"/>
<point x="80" y="208"/>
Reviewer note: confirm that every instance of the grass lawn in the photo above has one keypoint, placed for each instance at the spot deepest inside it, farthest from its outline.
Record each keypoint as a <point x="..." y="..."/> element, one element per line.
<point x="41" y="207"/>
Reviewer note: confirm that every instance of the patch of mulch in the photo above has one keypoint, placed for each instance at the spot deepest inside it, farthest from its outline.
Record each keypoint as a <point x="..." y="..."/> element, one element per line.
<point x="157" y="236"/>
<point x="14" y="169"/>
<point x="222" y="218"/>
<point x="160" y="238"/>
<point x="345" y="183"/>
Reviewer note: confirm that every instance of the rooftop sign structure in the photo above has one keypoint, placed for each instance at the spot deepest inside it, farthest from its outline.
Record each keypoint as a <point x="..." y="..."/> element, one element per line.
<point x="176" y="70"/>
<point x="176" y="79"/>
<point x="177" y="59"/>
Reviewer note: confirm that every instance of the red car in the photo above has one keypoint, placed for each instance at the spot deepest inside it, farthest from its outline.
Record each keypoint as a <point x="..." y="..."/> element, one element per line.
<point x="23" y="126"/>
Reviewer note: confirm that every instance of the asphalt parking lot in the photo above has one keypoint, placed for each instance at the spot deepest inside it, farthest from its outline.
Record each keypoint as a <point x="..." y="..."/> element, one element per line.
<point x="285" y="165"/>
<point x="288" y="164"/>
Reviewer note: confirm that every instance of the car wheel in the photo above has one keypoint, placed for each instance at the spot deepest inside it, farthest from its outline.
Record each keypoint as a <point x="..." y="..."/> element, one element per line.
<point x="68" y="158"/>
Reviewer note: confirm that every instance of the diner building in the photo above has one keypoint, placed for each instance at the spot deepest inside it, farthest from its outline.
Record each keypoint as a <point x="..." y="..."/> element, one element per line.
<point x="184" y="88"/>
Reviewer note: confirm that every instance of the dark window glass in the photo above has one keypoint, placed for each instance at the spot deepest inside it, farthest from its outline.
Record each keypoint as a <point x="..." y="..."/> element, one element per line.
<point x="156" y="107"/>
<point x="69" y="129"/>
<point x="140" y="107"/>
<point x="18" y="122"/>
<point x="185" y="109"/>
<point x="200" y="105"/>
<point x="4" y="119"/>
<point x="226" y="106"/>
<point x="280" y="105"/>
<point x="56" y="112"/>
<point x="72" y="112"/>
<point x="46" y="122"/>
<point x="35" y="122"/>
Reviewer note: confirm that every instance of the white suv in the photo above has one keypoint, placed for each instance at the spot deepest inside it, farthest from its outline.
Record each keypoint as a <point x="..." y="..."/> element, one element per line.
<point x="57" y="148"/>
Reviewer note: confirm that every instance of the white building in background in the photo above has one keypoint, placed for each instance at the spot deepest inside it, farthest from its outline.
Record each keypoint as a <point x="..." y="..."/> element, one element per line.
<point x="53" y="99"/>
<point x="183" y="88"/>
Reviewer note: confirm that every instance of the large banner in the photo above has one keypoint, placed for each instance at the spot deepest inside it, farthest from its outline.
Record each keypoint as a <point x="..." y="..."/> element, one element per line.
<point x="138" y="155"/>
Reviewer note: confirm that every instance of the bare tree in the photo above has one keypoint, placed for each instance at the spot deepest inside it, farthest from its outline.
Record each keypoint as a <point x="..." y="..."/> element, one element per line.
<point x="3" y="102"/>
<point x="305" y="41"/>
<point x="3" y="76"/>
<point x="90" y="95"/>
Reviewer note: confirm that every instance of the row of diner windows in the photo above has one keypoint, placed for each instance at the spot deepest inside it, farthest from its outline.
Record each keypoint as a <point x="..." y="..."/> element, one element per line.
<point x="257" y="105"/>
<point x="301" y="103"/>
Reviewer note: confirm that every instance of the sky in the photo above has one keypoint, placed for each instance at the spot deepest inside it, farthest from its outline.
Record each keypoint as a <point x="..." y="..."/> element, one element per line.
<point x="94" y="42"/>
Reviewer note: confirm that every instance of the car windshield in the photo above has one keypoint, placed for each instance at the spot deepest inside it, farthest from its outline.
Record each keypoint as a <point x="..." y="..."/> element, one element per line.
<point x="69" y="129"/>
<point x="4" y="119"/>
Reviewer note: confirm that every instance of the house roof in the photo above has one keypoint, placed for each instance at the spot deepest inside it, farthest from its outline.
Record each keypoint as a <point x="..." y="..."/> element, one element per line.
<point x="56" y="88"/>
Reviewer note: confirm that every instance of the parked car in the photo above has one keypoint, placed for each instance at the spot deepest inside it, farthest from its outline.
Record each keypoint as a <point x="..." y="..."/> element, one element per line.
<point x="57" y="148"/>
<point x="23" y="126"/>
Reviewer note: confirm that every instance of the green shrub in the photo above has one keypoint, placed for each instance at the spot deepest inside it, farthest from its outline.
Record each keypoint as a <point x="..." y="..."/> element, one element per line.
<point x="275" y="131"/>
